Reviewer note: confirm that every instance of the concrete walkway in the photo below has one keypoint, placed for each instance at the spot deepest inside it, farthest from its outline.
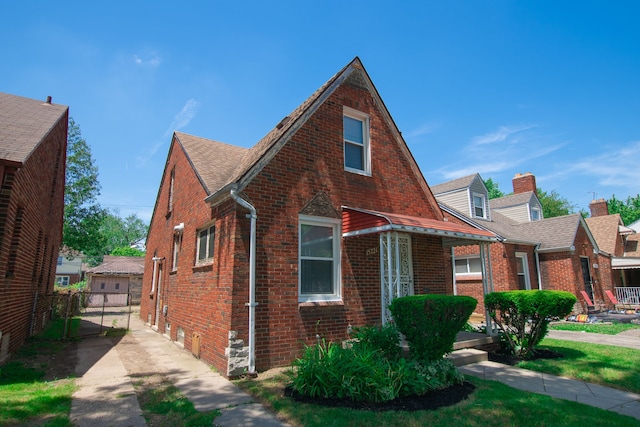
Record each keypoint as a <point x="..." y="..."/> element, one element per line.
<point x="622" y="402"/>
<point x="106" y="396"/>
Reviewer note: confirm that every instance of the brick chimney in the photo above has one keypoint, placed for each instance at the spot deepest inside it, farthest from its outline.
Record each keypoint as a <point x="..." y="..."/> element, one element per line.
<point x="523" y="183"/>
<point x="599" y="207"/>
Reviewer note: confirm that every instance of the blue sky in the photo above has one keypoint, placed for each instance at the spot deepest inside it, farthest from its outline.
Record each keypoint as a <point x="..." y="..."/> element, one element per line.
<point x="495" y="87"/>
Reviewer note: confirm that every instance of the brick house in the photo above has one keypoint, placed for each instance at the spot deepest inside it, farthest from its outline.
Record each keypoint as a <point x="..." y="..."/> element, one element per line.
<point x="532" y="252"/>
<point x="112" y="281"/>
<point x="69" y="267"/>
<point x="33" y="139"/>
<point x="619" y="248"/>
<point x="252" y="253"/>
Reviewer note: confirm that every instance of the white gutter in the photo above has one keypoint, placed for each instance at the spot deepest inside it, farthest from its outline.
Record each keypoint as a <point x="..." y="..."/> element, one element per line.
<point x="535" y="251"/>
<point x="252" y="279"/>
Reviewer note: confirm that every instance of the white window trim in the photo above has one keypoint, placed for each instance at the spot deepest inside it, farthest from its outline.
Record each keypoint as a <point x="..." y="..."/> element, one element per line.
<point x="337" y="256"/>
<point x="473" y="205"/>
<point x="525" y="267"/>
<point x="536" y="209"/>
<point x="177" y="241"/>
<point x="60" y="280"/>
<point x="467" y="258"/>
<point x="210" y="234"/>
<point x="364" y="118"/>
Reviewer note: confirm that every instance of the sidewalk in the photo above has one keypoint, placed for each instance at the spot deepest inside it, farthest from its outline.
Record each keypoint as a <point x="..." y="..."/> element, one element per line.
<point x="622" y="402"/>
<point x="106" y="396"/>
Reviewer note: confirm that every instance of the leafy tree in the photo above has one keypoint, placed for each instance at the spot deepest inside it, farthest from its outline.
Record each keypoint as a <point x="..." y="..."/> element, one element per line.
<point x="553" y="204"/>
<point x="492" y="188"/>
<point x="82" y="213"/>
<point x="118" y="232"/>
<point x="127" y="251"/>
<point x="629" y="211"/>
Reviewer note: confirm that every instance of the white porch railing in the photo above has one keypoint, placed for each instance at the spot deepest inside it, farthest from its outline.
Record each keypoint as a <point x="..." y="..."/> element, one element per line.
<point x="629" y="296"/>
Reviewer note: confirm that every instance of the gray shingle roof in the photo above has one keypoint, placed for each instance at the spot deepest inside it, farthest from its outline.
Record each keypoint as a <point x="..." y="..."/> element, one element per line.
<point x="24" y="123"/>
<point x="511" y="200"/>
<point x="605" y="230"/>
<point x="212" y="161"/>
<point x="552" y="233"/>
<point x="119" y="265"/>
<point x="455" y="184"/>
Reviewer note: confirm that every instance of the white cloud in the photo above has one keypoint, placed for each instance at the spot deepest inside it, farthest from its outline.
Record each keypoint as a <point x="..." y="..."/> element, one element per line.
<point x="183" y="118"/>
<point x="180" y="120"/>
<point x="153" y="61"/>
<point x="502" y="134"/>
<point x="616" y="167"/>
<point x="422" y="130"/>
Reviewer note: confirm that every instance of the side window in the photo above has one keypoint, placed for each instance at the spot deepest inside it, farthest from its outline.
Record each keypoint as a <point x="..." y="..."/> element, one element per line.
<point x="468" y="265"/>
<point x="176" y="251"/>
<point x="356" y="141"/>
<point x="319" y="259"/>
<point x="535" y="214"/>
<point x="171" y="182"/>
<point x="206" y="238"/>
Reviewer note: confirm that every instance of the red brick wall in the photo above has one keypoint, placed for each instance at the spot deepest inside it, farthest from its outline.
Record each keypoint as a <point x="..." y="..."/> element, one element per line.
<point x="563" y="271"/>
<point x="28" y="253"/>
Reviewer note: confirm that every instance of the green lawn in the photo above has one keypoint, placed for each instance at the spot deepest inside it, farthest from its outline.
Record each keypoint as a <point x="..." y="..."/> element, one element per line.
<point x="492" y="403"/>
<point x="25" y="397"/>
<point x="610" y="366"/>
<point x="596" y="328"/>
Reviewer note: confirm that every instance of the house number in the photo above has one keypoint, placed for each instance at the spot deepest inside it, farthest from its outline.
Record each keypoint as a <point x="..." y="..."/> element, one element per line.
<point x="371" y="251"/>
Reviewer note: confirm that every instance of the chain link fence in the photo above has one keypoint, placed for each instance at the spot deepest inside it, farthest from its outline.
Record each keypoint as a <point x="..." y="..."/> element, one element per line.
<point x="85" y="314"/>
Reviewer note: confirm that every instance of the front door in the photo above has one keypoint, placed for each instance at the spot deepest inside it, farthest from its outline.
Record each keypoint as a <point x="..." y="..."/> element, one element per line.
<point x="586" y="276"/>
<point x="396" y="269"/>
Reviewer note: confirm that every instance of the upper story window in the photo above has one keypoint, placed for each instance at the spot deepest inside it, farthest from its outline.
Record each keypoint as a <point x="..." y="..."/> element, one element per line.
<point x="469" y="265"/>
<point x="205" y="245"/>
<point x="319" y="259"/>
<point x="356" y="141"/>
<point x="535" y="214"/>
<point x="177" y="238"/>
<point x="59" y="261"/>
<point x="172" y="179"/>
<point x="479" y="210"/>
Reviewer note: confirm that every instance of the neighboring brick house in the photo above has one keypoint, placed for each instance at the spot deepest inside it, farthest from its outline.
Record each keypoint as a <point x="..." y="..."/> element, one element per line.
<point x="532" y="252"/>
<point x="33" y="141"/>
<point x="113" y="280"/>
<point x="252" y="253"/>
<point x="619" y="245"/>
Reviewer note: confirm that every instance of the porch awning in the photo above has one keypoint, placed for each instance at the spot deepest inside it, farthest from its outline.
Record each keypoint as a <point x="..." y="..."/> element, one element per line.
<point x="619" y="263"/>
<point x="357" y="222"/>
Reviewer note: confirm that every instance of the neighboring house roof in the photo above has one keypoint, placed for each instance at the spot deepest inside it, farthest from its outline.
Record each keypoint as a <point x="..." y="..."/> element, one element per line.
<point x="635" y="226"/>
<point x="632" y="247"/>
<point x="453" y="185"/>
<point x="557" y="233"/>
<point x="511" y="200"/>
<point x="24" y="123"/>
<point x="119" y="265"/>
<point x="605" y="230"/>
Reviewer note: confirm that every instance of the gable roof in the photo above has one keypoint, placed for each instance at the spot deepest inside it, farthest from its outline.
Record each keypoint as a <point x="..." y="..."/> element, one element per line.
<point x="212" y="161"/>
<point x="262" y="153"/>
<point x="511" y="200"/>
<point x="456" y="184"/>
<point x="119" y="265"/>
<point x="605" y="230"/>
<point x="555" y="234"/>
<point x="24" y="123"/>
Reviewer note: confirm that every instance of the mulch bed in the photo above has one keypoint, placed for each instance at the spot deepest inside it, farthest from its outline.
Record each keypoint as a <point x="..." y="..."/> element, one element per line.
<point x="510" y="359"/>
<point x="429" y="401"/>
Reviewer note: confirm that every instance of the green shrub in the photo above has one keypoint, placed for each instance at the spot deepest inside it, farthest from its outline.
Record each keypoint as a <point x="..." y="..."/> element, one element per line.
<point x="524" y="316"/>
<point x="384" y="338"/>
<point x="430" y="323"/>
<point x="362" y="373"/>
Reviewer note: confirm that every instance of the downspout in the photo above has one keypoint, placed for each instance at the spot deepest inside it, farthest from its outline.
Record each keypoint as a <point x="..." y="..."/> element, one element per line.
<point x="453" y="268"/>
<point x="535" y="251"/>
<point x="252" y="279"/>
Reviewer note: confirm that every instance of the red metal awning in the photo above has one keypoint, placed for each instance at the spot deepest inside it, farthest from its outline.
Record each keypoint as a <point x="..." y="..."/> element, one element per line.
<point x="356" y="222"/>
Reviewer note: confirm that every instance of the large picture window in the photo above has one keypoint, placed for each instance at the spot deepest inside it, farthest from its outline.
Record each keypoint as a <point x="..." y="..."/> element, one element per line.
<point x="319" y="259"/>
<point x="356" y="141"/>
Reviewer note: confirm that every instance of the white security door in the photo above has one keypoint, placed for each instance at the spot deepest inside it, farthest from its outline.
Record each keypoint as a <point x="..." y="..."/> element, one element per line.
<point x="396" y="269"/>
